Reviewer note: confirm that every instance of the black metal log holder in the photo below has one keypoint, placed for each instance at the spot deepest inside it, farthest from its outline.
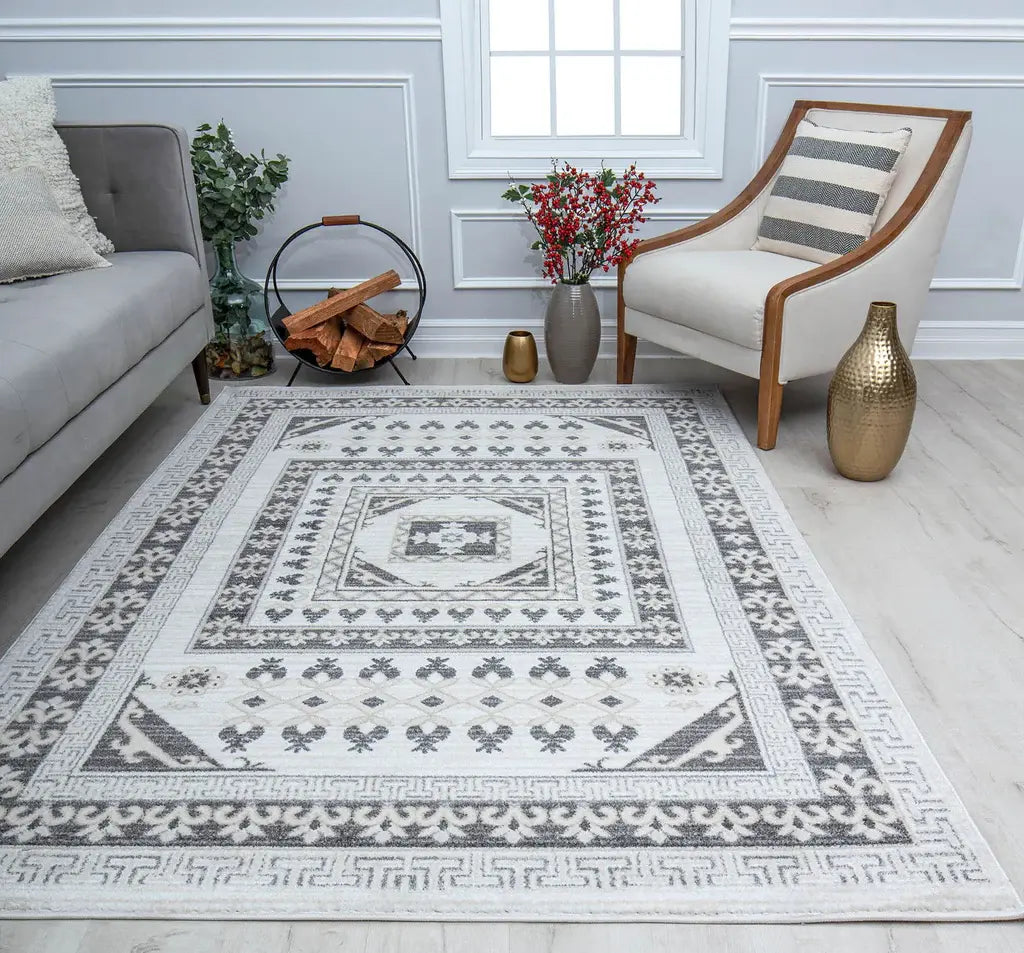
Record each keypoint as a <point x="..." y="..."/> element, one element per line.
<point x="281" y="312"/>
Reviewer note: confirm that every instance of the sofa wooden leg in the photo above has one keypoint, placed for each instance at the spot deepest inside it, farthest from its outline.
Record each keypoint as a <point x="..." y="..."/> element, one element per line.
<point x="769" y="407"/>
<point x="626" y="358"/>
<point x="202" y="373"/>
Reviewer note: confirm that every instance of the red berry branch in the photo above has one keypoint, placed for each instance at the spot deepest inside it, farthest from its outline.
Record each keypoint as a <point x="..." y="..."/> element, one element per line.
<point x="584" y="221"/>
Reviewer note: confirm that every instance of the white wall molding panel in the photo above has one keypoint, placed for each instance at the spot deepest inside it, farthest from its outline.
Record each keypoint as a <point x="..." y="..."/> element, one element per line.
<point x="837" y="86"/>
<point x="403" y="84"/>
<point x="660" y="219"/>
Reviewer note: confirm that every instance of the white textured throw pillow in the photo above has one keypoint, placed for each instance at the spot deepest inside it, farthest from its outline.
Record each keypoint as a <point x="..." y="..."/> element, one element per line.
<point x="36" y="240"/>
<point x="27" y="137"/>
<point x="829" y="191"/>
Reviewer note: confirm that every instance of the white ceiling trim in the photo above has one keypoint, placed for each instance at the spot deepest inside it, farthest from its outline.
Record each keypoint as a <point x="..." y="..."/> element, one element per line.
<point x="218" y="28"/>
<point x="871" y="28"/>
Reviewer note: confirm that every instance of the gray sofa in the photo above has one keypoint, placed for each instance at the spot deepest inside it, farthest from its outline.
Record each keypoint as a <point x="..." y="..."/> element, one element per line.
<point x="82" y="355"/>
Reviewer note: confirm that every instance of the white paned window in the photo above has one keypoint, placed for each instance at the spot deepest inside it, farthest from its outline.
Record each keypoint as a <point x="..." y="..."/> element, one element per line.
<point x="585" y="80"/>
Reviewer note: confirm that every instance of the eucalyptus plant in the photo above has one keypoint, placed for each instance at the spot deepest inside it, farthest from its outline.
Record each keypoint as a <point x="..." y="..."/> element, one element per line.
<point x="235" y="190"/>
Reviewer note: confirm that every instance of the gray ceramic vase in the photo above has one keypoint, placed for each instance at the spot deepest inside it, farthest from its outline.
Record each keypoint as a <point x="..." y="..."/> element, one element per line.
<point x="572" y="332"/>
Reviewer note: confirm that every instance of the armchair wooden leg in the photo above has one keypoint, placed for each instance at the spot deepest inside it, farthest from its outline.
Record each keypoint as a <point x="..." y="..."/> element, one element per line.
<point x="626" y="358"/>
<point x="769" y="407"/>
<point x="202" y="373"/>
<point x="625" y="354"/>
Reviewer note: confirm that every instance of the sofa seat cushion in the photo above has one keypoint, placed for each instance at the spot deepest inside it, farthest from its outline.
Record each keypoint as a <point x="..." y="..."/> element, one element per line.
<point x="64" y="340"/>
<point x="720" y="293"/>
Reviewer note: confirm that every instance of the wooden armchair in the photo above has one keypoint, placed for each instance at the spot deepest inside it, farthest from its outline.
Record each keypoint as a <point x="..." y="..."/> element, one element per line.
<point x="703" y="292"/>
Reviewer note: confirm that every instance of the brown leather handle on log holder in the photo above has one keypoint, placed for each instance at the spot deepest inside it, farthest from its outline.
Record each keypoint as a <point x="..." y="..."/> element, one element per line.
<point x="340" y="220"/>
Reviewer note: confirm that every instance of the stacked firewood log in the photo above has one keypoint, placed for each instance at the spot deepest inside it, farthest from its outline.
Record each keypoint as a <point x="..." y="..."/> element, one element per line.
<point x="344" y="332"/>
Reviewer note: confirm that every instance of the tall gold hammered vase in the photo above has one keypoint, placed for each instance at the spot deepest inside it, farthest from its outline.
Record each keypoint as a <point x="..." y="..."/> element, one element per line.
<point x="871" y="400"/>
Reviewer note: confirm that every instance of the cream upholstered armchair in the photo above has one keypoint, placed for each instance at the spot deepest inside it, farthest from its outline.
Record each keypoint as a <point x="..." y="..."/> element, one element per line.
<point x="703" y="291"/>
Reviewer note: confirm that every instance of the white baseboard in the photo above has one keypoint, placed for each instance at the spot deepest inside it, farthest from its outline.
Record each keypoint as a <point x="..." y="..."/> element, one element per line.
<point x="936" y="340"/>
<point x="969" y="340"/>
<point x="469" y="337"/>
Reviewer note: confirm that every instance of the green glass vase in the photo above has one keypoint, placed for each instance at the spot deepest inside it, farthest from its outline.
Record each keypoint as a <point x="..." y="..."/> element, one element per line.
<point x="240" y="348"/>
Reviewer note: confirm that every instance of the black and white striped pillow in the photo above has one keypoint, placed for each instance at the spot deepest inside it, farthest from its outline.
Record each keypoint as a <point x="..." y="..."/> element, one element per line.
<point x="829" y="190"/>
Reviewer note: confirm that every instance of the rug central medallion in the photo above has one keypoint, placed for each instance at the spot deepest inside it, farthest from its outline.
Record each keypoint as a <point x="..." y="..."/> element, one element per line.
<point x="558" y="553"/>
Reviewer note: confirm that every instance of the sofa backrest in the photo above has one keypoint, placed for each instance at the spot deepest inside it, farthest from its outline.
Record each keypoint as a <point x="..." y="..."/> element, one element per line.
<point x="137" y="183"/>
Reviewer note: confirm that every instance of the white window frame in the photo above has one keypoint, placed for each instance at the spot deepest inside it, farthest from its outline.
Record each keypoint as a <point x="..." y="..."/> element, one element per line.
<point x="696" y="154"/>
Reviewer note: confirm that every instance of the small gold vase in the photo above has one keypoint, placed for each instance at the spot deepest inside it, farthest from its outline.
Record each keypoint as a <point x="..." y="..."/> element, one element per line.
<point x="519" y="359"/>
<point x="871" y="400"/>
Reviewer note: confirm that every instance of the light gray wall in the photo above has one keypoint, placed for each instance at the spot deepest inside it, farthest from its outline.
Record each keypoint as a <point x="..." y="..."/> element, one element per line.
<point x="363" y="120"/>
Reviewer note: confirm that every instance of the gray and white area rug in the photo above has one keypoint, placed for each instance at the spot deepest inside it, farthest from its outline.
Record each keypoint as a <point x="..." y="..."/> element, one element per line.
<point x="493" y="653"/>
